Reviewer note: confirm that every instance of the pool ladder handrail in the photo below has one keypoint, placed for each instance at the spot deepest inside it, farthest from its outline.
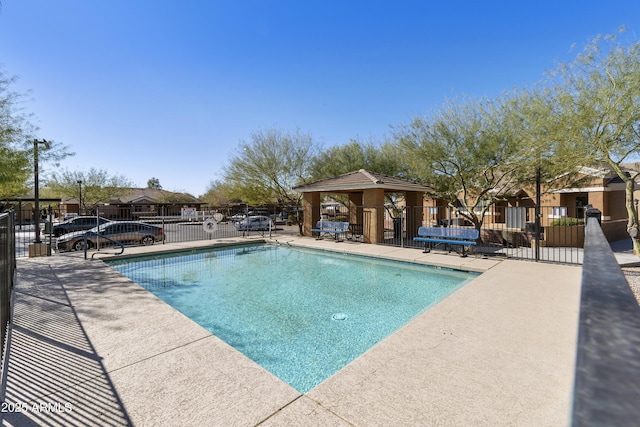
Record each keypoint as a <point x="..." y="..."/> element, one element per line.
<point x="99" y="236"/>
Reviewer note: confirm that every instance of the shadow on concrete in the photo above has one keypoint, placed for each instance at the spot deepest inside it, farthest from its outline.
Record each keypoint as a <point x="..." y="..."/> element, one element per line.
<point x="624" y="245"/>
<point x="55" y="376"/>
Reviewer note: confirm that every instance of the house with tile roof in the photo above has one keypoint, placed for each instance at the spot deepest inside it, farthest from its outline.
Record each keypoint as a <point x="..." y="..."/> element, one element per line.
<point x="138" y="203"/>
<point x="515" y="206"/>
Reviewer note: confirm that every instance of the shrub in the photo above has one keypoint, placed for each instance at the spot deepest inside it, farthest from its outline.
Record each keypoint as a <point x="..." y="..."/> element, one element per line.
<point x="568" y="221"/>
<point x="513" y="239"/>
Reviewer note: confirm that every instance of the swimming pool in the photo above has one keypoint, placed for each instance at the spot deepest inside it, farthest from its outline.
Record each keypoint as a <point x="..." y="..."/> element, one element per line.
<point x="301" y="314"/>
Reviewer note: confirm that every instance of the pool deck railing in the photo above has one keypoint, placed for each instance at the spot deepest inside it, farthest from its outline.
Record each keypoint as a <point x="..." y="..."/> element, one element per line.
<point x="607" y="380"/>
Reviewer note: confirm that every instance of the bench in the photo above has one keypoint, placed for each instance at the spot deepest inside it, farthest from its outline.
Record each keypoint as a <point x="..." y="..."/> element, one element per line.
<point x="452" y="237"/>
<point x="330" y="227"/>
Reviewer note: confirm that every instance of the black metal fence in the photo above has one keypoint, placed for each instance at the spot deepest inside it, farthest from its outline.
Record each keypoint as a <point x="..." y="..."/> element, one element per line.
<point x="7" y="278"/>
<point x="179" y="228"/>
<point x="504" y="231"/>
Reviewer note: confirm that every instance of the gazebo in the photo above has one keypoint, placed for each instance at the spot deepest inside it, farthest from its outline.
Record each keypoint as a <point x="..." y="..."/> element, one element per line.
<point x="366" y="192"/>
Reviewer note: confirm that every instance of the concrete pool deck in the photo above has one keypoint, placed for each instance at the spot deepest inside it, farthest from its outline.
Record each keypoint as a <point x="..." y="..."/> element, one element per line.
<point x="96" y="349"/>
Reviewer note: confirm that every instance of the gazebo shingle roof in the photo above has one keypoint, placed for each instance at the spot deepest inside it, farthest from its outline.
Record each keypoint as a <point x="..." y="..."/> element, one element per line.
<point x="361" y="180"/>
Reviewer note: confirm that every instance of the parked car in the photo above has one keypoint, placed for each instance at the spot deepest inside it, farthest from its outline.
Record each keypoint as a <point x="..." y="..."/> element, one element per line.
<point x="258" y="222"/>
<point x="237" y="217"/>
<point x="258" y="212"/>
<point x="78" y="223"/>
<point x="69" y="216"/>
<point x="121" y="231"/>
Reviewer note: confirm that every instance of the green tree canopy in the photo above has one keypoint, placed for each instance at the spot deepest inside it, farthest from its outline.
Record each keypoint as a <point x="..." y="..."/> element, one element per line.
<point x="218" y="194"/>
<point x="381" y="158"/>
<point x="96" y="184"/>
<point x="265" y="169"/>
<point x="17" y="134"/>
<point x="384" y="158"/>
<point x="598" y="95"/>
<point x="15" y="129"/>
<point x="154" y="183"/>
<point x="464" y="152"/>
<point x="535" y="122"/>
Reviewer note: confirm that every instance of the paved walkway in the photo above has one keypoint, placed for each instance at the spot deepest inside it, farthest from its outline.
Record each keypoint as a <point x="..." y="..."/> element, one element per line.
<point x="89" y="347"/>
<point x="623" y="251"/>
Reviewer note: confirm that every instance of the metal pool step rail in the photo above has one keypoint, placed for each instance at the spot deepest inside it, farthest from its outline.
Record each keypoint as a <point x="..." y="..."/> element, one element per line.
<point x="99" y="236"/>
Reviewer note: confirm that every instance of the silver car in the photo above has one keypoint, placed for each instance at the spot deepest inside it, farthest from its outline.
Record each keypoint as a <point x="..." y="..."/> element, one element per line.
<point x="251" y="223"/>
<point x="125" y="232"/>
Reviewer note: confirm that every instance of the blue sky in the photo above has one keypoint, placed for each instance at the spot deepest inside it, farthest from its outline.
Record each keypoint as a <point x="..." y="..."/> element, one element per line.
<point x="168" y="89"/>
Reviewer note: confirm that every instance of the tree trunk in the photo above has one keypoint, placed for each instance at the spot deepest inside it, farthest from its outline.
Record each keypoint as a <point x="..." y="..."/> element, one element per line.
<point x="632" y="224"/>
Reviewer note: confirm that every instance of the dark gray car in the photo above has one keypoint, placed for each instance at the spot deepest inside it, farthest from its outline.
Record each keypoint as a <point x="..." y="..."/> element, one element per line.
<point x="126" y="232"/>
<point x="78" y="223"/>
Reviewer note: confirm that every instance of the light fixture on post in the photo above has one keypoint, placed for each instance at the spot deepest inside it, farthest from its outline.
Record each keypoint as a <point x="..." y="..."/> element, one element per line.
<point x="37" y="248"/>
<point x="79" y="197"/>
<point x="36" y="189"/>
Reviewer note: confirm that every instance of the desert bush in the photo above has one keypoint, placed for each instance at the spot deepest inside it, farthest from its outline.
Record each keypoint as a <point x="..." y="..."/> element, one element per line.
<point x="513" y="239"/>
<point x="567" y="222"/>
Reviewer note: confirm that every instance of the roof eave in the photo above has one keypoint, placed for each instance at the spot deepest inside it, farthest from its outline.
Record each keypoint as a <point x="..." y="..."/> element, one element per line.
<point x="334" y="189"/>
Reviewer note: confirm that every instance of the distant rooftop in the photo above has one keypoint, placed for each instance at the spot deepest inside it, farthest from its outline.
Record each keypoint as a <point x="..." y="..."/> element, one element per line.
<point x="361" y="180"/>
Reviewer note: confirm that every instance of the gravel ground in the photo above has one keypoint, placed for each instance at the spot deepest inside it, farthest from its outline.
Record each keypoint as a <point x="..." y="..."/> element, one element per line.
<point x="633" y="278"/>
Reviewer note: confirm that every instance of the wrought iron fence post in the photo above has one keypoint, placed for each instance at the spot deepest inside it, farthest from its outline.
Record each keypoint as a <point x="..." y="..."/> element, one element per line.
<point x="402" y="223"/>
<point x="591" y="212"/>
<point x="50" y="248"/>
<point x="7" y="280"/>
<point x="537" y="214"/>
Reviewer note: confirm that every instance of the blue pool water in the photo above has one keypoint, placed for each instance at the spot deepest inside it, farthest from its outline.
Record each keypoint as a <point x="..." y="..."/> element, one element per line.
<point x="301" y="314"/>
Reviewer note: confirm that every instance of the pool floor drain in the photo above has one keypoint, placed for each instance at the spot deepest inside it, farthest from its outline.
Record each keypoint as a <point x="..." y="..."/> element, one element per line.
<point x="339" y="316"/>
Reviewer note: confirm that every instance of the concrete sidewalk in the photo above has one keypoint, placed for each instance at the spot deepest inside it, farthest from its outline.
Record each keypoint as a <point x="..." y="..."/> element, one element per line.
<point x="623" y="251"/>
<point x="97" y="349"/>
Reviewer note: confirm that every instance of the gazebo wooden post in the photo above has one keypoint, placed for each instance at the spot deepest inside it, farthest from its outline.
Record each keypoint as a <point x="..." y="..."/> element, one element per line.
<point x="373" y="203"/>
<point x="311" y="206"/>
<point x="355" y="209"/>
<point x="415" y="212"/>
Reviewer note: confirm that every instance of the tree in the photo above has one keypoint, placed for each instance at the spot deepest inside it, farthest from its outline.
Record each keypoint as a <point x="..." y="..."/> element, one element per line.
<point x="382" y="158"/>
<point x="338" y="160"/>
<point x="464" y="152"/>
<point x="17" y="134"/>
<point x="218" y="194"/>
<point x="599" y="97"/>
<point x="97" y="186"/>
<point x="536" y="123"/>
<point x="15" y="129"/>
<point x="154" y="183"/>
<point x="265" y="169"/>
<point x="174" y="197"/>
